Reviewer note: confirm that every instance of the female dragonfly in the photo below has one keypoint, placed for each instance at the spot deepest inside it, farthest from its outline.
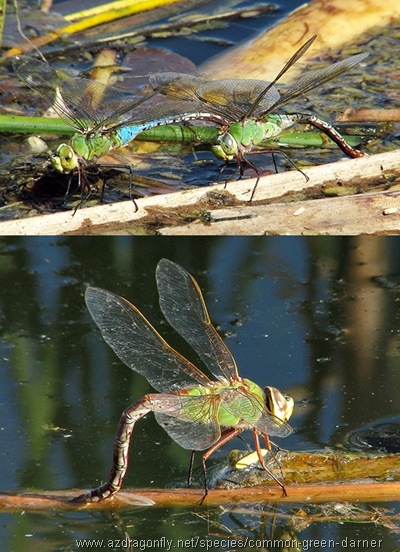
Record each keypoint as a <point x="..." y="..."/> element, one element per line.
<point x="198" y="412"/>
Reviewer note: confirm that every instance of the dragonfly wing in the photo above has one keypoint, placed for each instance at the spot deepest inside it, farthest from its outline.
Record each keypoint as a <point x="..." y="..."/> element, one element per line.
<point x="166" y="112"/>
<point x="228" y="98"/>
<point x="273" y="426"/>
<point x="86" y="103"/>
<point x="45" y="80"/>
<point x="316" y="78"/>
<point x="252" y="411"/>
<point x="183" y="306"/>
<point x="138" y="344"/>
<point x="106" y="105"/>
<point x="234" y="97"/>
<point x="177" y="85"/>
<point x="255" y="107"/>
<point x="191" y="421"/>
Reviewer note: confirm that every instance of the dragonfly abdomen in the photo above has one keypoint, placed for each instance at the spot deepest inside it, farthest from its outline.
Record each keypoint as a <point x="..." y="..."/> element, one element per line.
<point x="121" y="450"/>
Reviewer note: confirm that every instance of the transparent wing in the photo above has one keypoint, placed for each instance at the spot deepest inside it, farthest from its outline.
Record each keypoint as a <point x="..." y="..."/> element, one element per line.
<point x="228" y="98"/>
<point x="316" y="78"/>
<point x="183" y="306"/>
<point x="252" y="410"/>
<point x="191" y="421"/>
<point x="87" y="104"/>
<point x="165" y="112"/>
<point x="270" y="424"/>
<point x="236" y="99"/>
<point x="138" y="344"/>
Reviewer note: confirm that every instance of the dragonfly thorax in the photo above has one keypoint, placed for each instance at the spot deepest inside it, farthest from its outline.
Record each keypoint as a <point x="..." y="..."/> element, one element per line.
<point x="245" y="135"/>
<point x="66" y="157"/>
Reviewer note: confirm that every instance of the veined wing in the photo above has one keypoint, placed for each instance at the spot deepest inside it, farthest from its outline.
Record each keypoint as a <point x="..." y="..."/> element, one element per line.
<point x="252" y="410"/>
<point x="87" y="104"/>
<point x="183" y="306"/>
<point x="316" y="78"/>
<point x="191" y="421"/>
<point x="138" y="344"/>
<point x="295" y="57"/>
<point x="168" y="112"/>
<point x="242" y="99"/>
<point x="231" y="99"/>
<point x="237" y="99"/>
<point x="270" y="424"/>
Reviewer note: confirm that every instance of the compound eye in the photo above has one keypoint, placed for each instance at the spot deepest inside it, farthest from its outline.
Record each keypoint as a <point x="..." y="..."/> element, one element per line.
<point x="228" y="143"/>
<point x="64" y="160"/>
<point x="280" y="406"/>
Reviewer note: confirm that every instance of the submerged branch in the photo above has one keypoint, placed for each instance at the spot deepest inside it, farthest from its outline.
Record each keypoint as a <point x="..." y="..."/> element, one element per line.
<point x="297" y="468"/>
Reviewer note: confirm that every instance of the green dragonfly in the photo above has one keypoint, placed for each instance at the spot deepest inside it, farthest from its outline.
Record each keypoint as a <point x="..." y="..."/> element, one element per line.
<point x="104" y="117"/>
<point x="190" y="406"/>
<point x="243" y="108"/>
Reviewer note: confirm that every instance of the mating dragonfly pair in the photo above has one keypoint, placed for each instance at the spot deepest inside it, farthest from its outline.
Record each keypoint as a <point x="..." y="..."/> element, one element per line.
<point x="190" y="406"/>
<point x="106" y="118"/>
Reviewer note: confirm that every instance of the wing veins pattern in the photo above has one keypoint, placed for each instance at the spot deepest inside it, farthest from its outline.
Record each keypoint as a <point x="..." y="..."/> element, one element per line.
<point x="139" y="345"/>
<point x="182" y="304"/>
<point x="87" y="104"/>
<point x="191" y="421"/>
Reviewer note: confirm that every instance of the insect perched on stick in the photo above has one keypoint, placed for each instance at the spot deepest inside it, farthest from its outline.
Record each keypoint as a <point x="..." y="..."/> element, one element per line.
<point x="199" y="413"/>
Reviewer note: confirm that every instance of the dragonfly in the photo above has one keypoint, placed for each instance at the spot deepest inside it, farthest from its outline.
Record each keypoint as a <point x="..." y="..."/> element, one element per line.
<point x="199" y="413"/>
<point x="104" y="117"/>
<point x="243" y="108"/>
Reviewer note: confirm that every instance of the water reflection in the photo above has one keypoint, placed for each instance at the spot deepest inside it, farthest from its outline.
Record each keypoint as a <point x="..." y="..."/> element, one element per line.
<point x="307" y="315"/>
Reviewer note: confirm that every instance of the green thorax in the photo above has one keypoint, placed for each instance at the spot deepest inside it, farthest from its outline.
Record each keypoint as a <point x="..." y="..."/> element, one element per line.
<point x="253" y="132"/>
<point x="92" y="148"/>
<point x="236" y="401"/>
<point x="249" y="133"/>
<point x="66" y="156"/>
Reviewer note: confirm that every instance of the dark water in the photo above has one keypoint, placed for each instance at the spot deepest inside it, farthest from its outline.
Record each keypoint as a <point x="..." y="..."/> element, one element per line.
<point x="316" y="317"/>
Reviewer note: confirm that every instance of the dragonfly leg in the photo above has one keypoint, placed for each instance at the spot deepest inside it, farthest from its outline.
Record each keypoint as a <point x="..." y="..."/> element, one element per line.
<point x="221" y="170"/>
<point x="121" y="449"/>
<point x="258" y="176"/>
<point x="272" y="152"/>
<point x="241" y="160"/>
<point x="125" y="169"/>
<point x="333" y="134"/>
<point x="226" y="436"/>
<point x="190" y="473"/>
<point x="131" y="189"/>
<point x="261" y="458"/>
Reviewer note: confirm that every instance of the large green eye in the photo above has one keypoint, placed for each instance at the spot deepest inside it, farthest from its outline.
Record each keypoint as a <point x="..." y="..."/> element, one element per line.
<point x="279" y="405"/>
<point x="225" y="147"/>
<point x="64" y="160"/>
<point x="228" y="144"/>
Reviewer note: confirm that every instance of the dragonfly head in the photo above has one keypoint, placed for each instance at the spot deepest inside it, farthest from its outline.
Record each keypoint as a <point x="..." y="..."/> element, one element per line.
<point x="279" y="405"/>
<point x="225" y="147"/>
<point x="64" y="160"/>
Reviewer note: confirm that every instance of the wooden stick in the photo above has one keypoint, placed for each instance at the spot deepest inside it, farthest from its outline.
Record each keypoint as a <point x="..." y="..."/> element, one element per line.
<point x="169" y="209"/>
<point x="162" y="498"/>
<point x="297" y="468"/>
